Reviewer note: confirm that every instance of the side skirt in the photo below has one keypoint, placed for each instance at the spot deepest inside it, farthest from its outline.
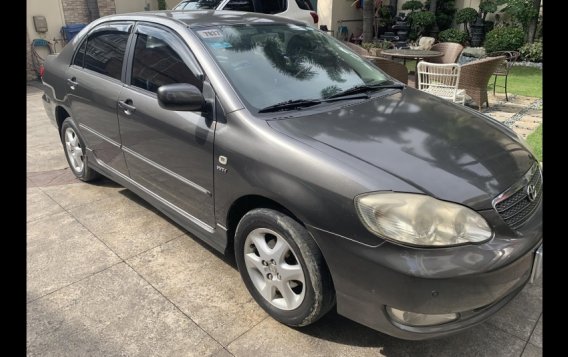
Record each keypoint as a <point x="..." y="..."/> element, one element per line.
<point x="214" y="236"/>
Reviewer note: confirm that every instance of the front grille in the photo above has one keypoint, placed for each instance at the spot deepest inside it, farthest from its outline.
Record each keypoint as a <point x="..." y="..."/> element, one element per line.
<point x="515" y="206"/>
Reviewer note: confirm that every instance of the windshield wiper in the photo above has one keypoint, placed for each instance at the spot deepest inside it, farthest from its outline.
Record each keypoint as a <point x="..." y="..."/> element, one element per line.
<point x="363" y="88"/>
<point x="290" y="104"/>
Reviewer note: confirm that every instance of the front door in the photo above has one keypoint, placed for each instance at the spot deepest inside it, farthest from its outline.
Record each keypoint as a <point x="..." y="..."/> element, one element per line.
<point x="168" y="152"/>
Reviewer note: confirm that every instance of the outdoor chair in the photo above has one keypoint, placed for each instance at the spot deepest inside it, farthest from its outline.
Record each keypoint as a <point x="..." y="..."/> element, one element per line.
<point x="504" y="67"/>
<point x="440" y="80"/>
<point x="356" y="48"/>
<point x="475" y="75"/>
<point x="394" y="69"/>
<point x="451" y="52"/>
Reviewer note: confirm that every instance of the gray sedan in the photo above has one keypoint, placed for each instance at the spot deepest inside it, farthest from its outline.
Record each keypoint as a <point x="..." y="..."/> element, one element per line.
<point x="333" y="184"/>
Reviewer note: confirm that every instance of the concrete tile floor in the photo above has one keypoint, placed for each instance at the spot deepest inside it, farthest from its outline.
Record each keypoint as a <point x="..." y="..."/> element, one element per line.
<point x="96" y="286"/>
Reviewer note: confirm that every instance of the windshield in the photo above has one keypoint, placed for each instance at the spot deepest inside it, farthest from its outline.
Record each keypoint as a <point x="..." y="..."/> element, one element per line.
<point x="197" y="5"/>
<point x="274" y="63"/>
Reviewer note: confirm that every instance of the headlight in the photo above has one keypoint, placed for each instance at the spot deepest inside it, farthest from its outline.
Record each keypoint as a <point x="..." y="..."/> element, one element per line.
<point x="420" y="220"/>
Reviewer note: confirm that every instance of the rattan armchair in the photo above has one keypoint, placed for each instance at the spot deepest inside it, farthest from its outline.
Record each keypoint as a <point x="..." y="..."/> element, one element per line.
<point x="475" y="75"/>
<point x="504" y="67"/>
<point x="356" y="48"/>
<point x="451" y="52"/>
<point x="394" y="69"/>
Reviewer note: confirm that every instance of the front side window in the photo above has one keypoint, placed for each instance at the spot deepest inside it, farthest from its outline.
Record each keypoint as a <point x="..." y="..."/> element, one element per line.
<point x="105" y="52"/>
<point x="156" y="63"/>
<point x="239" y="5"/>
<point x="290" y="62"/>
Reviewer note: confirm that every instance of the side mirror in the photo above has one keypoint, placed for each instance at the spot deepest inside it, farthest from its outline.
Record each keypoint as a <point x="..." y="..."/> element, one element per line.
<point x="180" y="96"/>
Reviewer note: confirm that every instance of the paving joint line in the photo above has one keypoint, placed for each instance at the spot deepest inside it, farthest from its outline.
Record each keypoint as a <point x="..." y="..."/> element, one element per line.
<point x="519" y="115"/>
<point x="245" y="332"/>
<point x="75" y="282"/>
<point x="530" y="335"/>
<point x="507" y="332"/>
<point x="171" y="302"/>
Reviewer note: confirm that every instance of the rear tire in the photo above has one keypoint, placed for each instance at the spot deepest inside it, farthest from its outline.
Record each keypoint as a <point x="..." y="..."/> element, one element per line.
<point x="283" y="268"/>
<point x="75" y="151"/>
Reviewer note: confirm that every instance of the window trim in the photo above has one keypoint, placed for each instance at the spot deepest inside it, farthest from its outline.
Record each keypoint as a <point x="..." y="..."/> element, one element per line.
<point x="188" y="58"/>
<point x="120" y="26"/>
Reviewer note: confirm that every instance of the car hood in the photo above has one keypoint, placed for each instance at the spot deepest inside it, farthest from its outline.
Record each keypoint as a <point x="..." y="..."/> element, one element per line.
<point x="445" y="150"/>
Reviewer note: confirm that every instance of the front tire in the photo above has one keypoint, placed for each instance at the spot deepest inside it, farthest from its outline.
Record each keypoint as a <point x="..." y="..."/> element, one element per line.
<point x="283" y="268"/>
<point x="75" y="151"/>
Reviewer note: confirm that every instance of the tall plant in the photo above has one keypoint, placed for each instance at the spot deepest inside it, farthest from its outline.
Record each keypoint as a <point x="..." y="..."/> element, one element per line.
<point x="466" y="16"/>
<point x="445" y="12"/>
<point x="162" y="5"/>
<point x="525" y="14"/>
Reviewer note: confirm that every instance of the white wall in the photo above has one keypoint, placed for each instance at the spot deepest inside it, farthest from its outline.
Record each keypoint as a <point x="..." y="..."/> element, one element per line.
<point x="331" y="11"/>
<point x="124" y="6"/>
<point x="53" y="13"/>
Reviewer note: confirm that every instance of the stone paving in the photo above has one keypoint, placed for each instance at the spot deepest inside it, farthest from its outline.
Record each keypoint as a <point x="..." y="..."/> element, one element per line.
<point x="109" y="275"/>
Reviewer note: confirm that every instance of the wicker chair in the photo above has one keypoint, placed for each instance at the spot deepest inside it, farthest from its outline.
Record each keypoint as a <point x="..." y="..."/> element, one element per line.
<point x="504" y="68"/>
<point x="356" y="48"/>
<point x="451" y="52"/>
<point x="441" y="80"/>
<point x="475" y="76"/>
<point x="394" y="69"/>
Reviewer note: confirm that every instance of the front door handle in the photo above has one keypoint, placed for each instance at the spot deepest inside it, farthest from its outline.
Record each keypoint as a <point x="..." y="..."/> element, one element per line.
<point x="127" y="106"/>
<point x="72" y="82"/>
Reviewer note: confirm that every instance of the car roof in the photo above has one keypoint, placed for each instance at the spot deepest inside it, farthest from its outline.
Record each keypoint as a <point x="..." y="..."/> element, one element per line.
<point x="198" y="18"/>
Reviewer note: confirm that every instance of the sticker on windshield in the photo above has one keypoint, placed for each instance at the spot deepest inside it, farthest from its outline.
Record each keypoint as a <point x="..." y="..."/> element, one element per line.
<point x="220" y="44"/>
<point x="207" y="34"/>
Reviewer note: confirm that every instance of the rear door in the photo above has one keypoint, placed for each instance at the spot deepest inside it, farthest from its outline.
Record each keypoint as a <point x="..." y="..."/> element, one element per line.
<point x="94" y="80"/>
<point x="168" y="152"/>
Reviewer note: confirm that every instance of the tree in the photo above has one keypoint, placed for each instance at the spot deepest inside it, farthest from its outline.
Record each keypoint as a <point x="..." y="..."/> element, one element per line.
<point x="368" y="16"/>
<point x="534" y="21"/>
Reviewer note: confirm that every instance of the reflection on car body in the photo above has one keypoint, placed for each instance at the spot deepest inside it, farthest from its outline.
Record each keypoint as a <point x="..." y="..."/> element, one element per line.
<point x="332" y="183"/>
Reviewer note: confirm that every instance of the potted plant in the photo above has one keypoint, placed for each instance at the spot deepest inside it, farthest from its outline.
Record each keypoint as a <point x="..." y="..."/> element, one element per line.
<point x="478" y="27"/>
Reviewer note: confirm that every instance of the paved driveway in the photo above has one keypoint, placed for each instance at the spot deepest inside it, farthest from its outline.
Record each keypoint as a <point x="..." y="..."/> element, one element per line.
<point x="109" y="275"/>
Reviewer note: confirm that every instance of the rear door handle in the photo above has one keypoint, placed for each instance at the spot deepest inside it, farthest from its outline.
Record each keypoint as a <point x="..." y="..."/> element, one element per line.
<point x="72" y="82"/>
<point x="127" y="106"/>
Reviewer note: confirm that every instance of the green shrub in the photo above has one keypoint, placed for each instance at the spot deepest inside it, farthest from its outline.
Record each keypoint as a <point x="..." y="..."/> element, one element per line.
<point x="504" y="39"/>
<point x="531" y="52"/>
<point x="466" y="15"/>
<point x="452" y="35"/>
<point x="412" y="5"/>
<point x="162" y="5"/>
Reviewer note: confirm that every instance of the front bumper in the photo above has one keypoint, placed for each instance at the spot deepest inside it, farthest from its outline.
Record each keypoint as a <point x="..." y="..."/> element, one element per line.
<point x="474" y="281"/>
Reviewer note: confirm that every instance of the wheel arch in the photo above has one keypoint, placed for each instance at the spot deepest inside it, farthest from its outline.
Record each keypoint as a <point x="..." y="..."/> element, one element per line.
<point x="60" y="115"/>
<point x="247" y="203"/>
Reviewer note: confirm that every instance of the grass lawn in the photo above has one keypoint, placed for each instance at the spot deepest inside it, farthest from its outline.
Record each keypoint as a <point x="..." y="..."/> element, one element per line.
<point x="525" y="81"/>
<point x="535" y="142"/>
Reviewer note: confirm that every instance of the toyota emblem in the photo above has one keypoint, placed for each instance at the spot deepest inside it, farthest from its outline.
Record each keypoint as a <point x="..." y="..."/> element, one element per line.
<point x="531" y="192"/>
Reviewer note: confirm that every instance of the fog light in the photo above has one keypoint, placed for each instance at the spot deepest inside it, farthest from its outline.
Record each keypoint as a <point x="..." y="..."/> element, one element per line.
<point x="415" y="319"/>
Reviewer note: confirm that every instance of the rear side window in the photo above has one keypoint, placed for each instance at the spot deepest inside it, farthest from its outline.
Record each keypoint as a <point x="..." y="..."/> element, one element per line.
<point x="105" y="52"/>
<point x="304" y="4"/>
<point x="240" y="5"/>
<point x="273" y="6"/>
<point x="156" y="63"/>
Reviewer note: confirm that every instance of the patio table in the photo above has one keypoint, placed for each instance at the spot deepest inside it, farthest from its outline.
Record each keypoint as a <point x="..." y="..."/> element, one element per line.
<point x="417" y="55"/>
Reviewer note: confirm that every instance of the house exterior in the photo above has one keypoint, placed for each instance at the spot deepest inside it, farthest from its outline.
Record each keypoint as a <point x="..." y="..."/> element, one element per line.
<point x="65" y="12"/>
